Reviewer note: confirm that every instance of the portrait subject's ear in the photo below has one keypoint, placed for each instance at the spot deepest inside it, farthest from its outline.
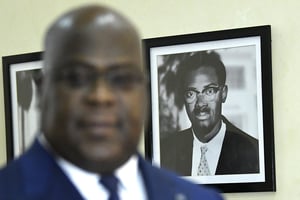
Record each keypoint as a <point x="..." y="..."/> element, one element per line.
<point x="224" y="93"/>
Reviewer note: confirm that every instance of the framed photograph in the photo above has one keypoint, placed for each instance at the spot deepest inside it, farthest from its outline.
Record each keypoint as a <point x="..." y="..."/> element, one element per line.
<point x="20" y="75"/>
<point x="211" y="108"/>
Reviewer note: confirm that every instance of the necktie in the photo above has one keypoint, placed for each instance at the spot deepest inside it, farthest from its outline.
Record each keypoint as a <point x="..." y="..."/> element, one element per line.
<point x="110" y="182"/>
<point x="203" y="169"/>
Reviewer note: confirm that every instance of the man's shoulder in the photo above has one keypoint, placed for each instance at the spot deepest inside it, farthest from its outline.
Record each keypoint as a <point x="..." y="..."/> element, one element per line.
<point x="237" y="133"/>
<point x="179" y="135"/>
<point x="240" y="152"/>
<point x="9" y="173"/>
<point x="180" y="139"/>
<point x="35" y="175"/>
<point x="171" y="184"/>
<point x="12" y="179"/>
<point x="14" y="175"/>
<point x="12" y="170"/>
<point x="240" y="142"/>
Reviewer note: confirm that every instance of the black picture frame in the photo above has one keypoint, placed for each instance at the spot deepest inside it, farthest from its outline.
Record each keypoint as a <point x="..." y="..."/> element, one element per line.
<point x="232" y="45"/>
<point x="19" y="75"/>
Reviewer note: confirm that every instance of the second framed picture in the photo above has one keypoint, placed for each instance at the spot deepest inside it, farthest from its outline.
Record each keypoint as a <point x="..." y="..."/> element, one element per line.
<point x="20" y="73"/>
<point x="211" y="108"/>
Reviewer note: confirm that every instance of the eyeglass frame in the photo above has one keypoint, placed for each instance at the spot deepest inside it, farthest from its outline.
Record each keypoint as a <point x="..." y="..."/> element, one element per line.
<point x="207" y="98"/>
<point x="115" y="78"/>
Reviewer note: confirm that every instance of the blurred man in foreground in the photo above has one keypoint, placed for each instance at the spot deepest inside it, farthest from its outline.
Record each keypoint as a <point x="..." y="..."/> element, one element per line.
<point x="93" y="104"/>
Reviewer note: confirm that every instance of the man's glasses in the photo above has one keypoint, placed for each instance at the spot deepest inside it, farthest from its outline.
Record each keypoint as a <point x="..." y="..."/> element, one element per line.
<point x="208" y="93"/>
<point x="77" y="77"/>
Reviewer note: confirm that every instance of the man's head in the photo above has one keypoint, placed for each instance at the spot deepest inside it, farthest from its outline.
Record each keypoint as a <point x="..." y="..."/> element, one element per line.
<point x="93" y="92"/>
<point x="203" y="89"/>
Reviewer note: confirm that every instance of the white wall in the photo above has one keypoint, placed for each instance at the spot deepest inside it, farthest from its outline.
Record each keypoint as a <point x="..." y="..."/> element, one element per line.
<point x="23" y="23"/>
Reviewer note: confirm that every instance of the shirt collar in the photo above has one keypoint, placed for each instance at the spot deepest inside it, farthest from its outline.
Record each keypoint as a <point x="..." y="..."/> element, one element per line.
<point x="124" y="173"/>
<point x="214" y="150"/>
<point x="217" y="140"/>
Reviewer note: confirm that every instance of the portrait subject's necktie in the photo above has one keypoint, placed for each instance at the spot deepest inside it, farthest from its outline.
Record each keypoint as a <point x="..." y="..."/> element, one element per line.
<point x="110" y="182"/>
<point x="203" y="169"/>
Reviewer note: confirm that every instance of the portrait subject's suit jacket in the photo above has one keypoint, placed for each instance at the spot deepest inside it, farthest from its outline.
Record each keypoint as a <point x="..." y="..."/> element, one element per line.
<point x="239" y="152"/>
<point x="36" y="176"/>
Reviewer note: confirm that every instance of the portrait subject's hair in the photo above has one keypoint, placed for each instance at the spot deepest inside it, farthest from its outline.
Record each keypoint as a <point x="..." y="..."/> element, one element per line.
<point x="196" y="60"/>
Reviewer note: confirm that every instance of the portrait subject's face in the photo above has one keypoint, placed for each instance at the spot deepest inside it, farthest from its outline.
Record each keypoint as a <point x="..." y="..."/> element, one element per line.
<point x="94" y="98"/>
<point x="203" y="97"/>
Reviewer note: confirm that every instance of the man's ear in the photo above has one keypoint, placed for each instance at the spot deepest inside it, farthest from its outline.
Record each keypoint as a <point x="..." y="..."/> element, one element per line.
<point x="224" y="93"/>
<point x="38" y="78"/>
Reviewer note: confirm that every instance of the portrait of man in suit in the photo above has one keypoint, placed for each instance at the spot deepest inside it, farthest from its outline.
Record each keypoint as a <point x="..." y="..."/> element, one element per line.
<point x="212" y="145"/>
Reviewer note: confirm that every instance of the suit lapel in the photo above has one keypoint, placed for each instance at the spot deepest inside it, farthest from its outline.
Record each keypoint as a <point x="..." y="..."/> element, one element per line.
<point x="158" y="185"/>
<point x="184" y="153"/>
<point x="224" y="156"/>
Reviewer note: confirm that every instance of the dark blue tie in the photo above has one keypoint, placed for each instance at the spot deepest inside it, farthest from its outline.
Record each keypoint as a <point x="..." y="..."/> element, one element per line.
<point x="110" y="182"/>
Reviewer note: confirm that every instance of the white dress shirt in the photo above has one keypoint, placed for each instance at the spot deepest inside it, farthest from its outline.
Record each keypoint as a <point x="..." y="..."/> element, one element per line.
<point x="214" y="147"/>
<point x="88" y="184"/>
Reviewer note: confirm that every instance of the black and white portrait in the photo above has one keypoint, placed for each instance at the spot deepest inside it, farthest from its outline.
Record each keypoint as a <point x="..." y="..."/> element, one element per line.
<point x="211" y="144"/>
<point x="209" y="111"/>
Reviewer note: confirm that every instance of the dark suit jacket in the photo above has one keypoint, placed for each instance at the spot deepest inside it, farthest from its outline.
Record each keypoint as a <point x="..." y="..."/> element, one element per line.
<point x="36" y="176"/>
<point x="239" y="153"/>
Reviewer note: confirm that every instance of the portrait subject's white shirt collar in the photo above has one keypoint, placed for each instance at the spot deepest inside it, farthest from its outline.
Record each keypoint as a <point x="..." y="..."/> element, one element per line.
<point x="213" y="153"/>
<point x="87" y="183"/>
